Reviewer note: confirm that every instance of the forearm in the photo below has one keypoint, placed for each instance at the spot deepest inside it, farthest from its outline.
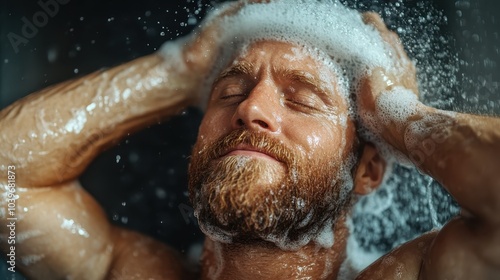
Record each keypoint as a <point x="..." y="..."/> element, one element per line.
<point x="52" y="135"/>
<point x="460" y="151"/>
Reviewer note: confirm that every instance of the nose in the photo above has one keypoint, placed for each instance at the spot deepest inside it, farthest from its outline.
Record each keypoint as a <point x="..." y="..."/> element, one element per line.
<point x="260" y="110"/>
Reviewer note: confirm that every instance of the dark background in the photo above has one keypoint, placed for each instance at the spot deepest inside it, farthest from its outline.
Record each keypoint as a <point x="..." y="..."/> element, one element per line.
<point x="142" y="182"/>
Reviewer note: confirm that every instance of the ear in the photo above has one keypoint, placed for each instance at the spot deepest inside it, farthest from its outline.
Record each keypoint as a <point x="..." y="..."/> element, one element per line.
<point x="370" y="171"/>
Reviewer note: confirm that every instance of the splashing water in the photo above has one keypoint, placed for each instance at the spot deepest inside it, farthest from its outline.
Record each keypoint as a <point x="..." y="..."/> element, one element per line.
<point x="435" y="222"/>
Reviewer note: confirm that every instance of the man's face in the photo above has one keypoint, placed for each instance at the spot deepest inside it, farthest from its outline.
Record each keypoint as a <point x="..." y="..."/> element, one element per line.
<point x="270" y="159"/>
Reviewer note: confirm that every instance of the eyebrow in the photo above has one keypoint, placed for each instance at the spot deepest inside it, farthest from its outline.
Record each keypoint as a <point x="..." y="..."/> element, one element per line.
<point x="298" y="76"/>
<point x="242" y="68"/>
<point x="304" y="78"/>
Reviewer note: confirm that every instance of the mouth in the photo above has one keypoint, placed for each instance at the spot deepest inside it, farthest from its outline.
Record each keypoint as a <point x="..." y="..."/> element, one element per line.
<point x="249" y="151"/>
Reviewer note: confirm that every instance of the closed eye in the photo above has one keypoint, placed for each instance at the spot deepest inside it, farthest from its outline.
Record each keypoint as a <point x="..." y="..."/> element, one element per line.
<point x="304" y="98"/>
<point x="231" y="93"/>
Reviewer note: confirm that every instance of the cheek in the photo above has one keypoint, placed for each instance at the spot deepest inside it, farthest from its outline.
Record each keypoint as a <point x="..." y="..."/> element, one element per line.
<point x="212" y="127"/>
<point x="324" y="138"/>
<point x="332" y="140"/>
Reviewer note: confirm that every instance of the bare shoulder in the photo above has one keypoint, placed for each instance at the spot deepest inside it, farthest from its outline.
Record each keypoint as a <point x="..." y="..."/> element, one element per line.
<point x="137" y="256"/>
<point x="465" y="248"/>
<point x="404" y="262"/>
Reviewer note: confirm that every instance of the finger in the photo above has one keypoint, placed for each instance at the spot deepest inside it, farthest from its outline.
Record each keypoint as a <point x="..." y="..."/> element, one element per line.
<point x="228" y="9"/>
<point x="257" y="1"/>
<point x="401" y="56"/>
<point x="375" y="20"/>
<point x="236" y="6"/>
<point x="396" y="46"/>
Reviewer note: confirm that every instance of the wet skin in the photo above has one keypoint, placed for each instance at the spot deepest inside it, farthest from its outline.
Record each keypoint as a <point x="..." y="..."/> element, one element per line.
<point x="266" y="92"/>
<point x="295" y="101"/>
<point x="68" y="231"/>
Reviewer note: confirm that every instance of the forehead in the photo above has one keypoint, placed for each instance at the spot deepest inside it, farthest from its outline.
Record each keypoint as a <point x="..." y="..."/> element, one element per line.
<point x="276" y="53"/>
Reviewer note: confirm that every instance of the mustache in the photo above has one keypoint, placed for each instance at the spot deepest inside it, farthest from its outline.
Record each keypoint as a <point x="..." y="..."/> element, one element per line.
<point x="257" y="140"/>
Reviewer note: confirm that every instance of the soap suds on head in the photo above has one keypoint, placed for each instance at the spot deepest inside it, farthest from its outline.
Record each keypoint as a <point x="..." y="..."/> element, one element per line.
<point x="327" y="25"/>
<point x="324" y="26"/>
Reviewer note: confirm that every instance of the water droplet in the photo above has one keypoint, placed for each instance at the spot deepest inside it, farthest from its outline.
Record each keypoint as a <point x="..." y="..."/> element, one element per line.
<point x="52" y="55"/>
<point x="133" y="157"/>
<point x="76" y="70"/>
<point x="462" y="4"/>
<point x="192" y="21"/>
<point x="161" y="193"/>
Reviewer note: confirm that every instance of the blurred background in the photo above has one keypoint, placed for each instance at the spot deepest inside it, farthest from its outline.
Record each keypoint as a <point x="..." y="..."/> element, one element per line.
<point x="142" y="181"/>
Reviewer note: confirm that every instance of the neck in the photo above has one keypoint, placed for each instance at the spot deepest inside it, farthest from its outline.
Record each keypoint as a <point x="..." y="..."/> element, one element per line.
<point x="266" y="261"/>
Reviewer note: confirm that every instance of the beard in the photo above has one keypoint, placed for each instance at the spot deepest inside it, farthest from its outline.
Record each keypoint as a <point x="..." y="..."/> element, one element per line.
<point x="247" y="199"/>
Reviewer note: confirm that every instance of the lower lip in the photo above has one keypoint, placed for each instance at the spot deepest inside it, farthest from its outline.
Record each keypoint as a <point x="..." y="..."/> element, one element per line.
<point x="250" y="154"/>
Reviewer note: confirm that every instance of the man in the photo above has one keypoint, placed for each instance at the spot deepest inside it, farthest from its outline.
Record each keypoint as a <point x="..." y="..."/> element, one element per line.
<point x="273" y="170"/>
